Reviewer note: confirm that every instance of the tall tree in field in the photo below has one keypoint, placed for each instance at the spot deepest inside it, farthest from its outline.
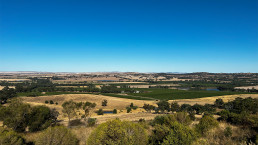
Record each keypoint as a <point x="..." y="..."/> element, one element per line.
<point x="69" y="109"/>
<point x="175" y="107"/>
<point x="88" y="107"/>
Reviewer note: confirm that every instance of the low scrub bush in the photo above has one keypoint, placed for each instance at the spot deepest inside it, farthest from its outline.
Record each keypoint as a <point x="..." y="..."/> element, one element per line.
<point x="58" y="135"/>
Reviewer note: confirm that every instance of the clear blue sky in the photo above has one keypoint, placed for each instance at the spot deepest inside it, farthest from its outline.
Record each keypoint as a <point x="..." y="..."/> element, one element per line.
<point x="129" y="35"/>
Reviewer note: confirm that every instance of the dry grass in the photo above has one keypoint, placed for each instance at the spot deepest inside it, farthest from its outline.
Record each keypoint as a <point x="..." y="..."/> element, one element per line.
<point x="8" y="80"/>
<point x="82" y="133"/>
<point x="211" y="100"/>
<point x="1" y="87"/>
<point x="217" y="136"/>
<point x="248" y="87"/>
<point x="117" y="103"/>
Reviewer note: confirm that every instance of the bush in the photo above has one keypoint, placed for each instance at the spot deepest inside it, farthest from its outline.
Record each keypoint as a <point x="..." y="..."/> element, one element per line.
<point x="175" y="107"/>
<point x="104" y="102"/>
<point x="91" y="121"/>
<point x="134" y="107"/>
<point x="56" y="103"/>
<point x="163" y="106"/>
<point x="114" y="111"/>
<point x="128" y="109"/>
<point x="10" y="138"/>
<point x="206" y="123"/>
<point x="176" y="133"/>
<point x="57" y="135"/>
<point x="180" y="117"/>
<point x="228" y="131"/>
<point x="76" y="122"/>
<point x="118" y="132"/>
<point x="51" y="102"/>
<point x="219" y="103"/>
<point x="41" y="117"/>
<point x="100" y="112"/>
<point x="46" y="102"/>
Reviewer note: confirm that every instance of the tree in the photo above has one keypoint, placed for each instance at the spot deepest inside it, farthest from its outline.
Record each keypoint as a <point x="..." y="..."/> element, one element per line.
<point x="174" y="133"/>
<point x="88" y="107"/>
<point x="41" y="117"/>
<point x="51" y="102"/>
<point x="58" y="135"/>
<point x="100" y="112"/>
<point x="7" y="93"/>
<point x="198" y="108"/>
<point x="114" y="111"/>
<point x="219" y="103"/>
<point x="16" y="115"/>
<point x="8" y="137"/>
<point x="118" y="132"/>
<point x="175" y="107"/>
<point x="69" y="109"/>
<point x="128" y="109"/>
<point x="104" y="102"/>
<point x="180" y="117"/>
<point x="131" y="105"/>
<point x="148" y="107"/>
<point x="206" y="123"/>
<point x="163" y="106"/>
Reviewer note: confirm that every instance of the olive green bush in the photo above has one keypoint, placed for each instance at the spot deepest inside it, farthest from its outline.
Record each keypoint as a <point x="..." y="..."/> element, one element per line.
<point x="117" y="132"/>
<point x="8" y="137"/>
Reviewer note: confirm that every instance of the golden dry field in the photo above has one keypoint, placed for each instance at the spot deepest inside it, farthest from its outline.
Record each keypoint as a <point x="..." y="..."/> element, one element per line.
<point x="118" y="103"/>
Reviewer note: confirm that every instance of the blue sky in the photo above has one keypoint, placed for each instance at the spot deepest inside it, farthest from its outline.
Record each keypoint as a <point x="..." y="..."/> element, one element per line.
<point x="129" y="35"/>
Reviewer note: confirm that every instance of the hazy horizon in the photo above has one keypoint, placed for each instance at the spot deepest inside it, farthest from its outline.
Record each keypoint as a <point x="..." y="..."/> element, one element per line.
<point x="129" y="36"/>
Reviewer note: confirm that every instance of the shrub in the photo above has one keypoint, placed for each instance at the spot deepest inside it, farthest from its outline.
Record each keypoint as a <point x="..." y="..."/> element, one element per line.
<point x="175" y="107"/>
<point x="180" y="117"/>
<point x="104" y="102"/>
<point x="76" y="122"/>
<point x="118" y="132"/>
<point x="176" y="133"/>
<point x="41" y="117"/>
<point x="180" y="135"/>
<point x="46" y="102"/>
<point x="100" y="112"/>
<point x="148" y="107"/>
<point x="163" y="106"/>
<point x="91" y="121"/>
<point x="128" y="109"/>
<point x="51" y="102"/>
<point x="206" y="123"/>
<point x="10" y="138"/>
<point x="56" y="103"/>
<point x="114" y="111"/>
<point x="57" y="135"/>
<point x="134" y="107"/>
<point x="192" y="115"/>
<point x="131" y="105"/>
<point x="228" y="131"/>
<point x="219" y="103"/>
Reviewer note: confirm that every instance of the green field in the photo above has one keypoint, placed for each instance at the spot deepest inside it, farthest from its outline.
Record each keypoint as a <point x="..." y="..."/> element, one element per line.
<point x="149" y="94"/>
<point x="170" y="94"/>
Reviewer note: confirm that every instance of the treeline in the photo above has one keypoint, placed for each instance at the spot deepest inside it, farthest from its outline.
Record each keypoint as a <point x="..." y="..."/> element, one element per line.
<point x="20" y="116"/>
